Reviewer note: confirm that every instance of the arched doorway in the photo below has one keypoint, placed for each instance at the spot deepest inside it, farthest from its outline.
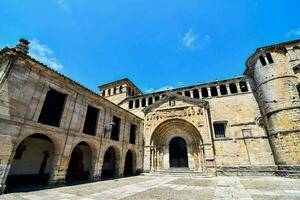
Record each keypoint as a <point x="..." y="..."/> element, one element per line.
<point x="129" y="164"/>
<point x="109" y="167"/>
<point x="80" y="164"/>
<point x="178" y="153"/>
<point x="31" y="165"/>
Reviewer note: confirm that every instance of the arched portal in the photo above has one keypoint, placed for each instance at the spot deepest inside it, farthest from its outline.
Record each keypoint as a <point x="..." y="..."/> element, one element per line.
<point x="129" y="164"/>
<point x="32" y="164"/>
<point x="176" y="143"/>
<point x="79" y="164"/>
<point x="109" y="167"/>
<point x="178" y="153"/>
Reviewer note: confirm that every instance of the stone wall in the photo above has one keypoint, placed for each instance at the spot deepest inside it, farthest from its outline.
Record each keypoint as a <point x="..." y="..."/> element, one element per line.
<point x="22" y="94"/>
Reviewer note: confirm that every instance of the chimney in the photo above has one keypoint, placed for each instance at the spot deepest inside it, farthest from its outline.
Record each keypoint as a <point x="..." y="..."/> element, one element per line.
<point x="22" y="46"/>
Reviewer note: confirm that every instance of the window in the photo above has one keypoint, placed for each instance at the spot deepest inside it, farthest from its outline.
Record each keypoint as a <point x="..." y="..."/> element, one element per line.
<point x="120" y="89"/>
<point x="243" y="86"/>
<point x="150" y="100"/>
<point x="214" y="91"/>
<point x="269" y="58"/>
<point x="115" y="90"/>
<point x="108" y="92"/>
<point x="130" y="105"/>
<point x="156" y="98"/>
<point x="262" y="60"/>
<point x="144" y="102"/>
<point x="180" y="93"/>
<point x="53" y="108"/>
<point x="298" y="88"/>
<point x="233" y="88"/>
<point x="137" y="103"/>
<point x="132" y="134"/>
<point x="103" y="93"/>
<point x="223" y="90"/>
<point x="115" y="129"/>
<point x="219" y="129"/>
<point x="187" y="93"/>
<point x="90" y="123"/>
<point x="129" y="91"/>
<point x="204" y="92"/>
<point x="196" y="93"/>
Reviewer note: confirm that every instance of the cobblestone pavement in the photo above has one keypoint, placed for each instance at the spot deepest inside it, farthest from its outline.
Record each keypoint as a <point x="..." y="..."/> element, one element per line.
<point x="171" y="187"/>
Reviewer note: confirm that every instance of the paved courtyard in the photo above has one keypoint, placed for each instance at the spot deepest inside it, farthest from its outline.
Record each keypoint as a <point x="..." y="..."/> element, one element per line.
<point x="171" y="187"/>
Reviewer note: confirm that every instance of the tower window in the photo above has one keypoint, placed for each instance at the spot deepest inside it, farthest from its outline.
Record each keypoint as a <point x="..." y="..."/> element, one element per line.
<point x="130" y="105"/>
<point x="223" y="90"/>
<point x="53" y="108"/>
<point x="132" y="134"/>
<point x="90" y="123"/>
<point x="219" y="128"/>
<point x="115" y="129"/>
<point x="196" y="93"/>
<point x="262" y="60"/>
<point x="137" y="103"/>
<point x="243" y="86"/>
<point x="187" y="93"/>
<point x="214" y="91"/>
<point x="144" y="102"/>
<point x="150" y="100"/>
<point x="233" y="88"/>
<point x="269" y="58"/>
<point x="204" y="92"/>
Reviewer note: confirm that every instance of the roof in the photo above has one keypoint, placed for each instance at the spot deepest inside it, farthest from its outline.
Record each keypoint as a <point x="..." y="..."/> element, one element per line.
<point x="6" y="49"/>
<point x="124" y="80"/>
<point x="269" y="47"/>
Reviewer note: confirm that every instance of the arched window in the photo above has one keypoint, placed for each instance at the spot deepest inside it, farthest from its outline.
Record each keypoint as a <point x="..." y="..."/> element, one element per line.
<point x="144" y="102"/>
<point x="233" y="88"/>
<point x="243" y="86"/>
<point x="196" y="93"/>
<point x="150" y="100"/>
<point x="204" y="92"/>
<point x="156" y="98"/>
<point x="130" y="105"/>
<point x="262" y="61"/>
<point x="214" y="91"/>
<point x="137" y="103"/>
<point x="223" y="90"/>
<point x="187" y="93"/>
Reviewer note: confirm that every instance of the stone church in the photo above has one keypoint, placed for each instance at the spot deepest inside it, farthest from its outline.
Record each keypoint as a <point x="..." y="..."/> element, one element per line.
<point x="54" y="131"/>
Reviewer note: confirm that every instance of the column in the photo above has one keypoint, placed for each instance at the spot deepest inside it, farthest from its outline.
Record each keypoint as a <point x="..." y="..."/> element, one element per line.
<point x="200" y="94"/>
<point x="238" y="87"/>
<point x="218" y="90"/>
<point x="209" y="92"/>
<point x="192" y="94"/>
<point x="228" y="89"/>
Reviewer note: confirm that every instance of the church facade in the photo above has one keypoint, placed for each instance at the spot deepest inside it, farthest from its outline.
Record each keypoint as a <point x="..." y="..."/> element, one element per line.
<point x="55" y="131"/>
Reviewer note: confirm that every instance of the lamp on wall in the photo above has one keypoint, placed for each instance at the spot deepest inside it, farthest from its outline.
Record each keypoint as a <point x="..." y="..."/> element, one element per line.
<point x="108" y="128"/>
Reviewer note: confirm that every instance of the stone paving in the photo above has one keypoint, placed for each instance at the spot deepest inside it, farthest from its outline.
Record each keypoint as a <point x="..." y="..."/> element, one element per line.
<point x="172" y="187"/>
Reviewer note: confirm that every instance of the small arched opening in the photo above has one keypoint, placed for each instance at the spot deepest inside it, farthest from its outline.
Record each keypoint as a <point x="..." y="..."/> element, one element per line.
<point x="109" y="167"/>
<point x="32" y="164"/>
<point x="79" y="164"/>
<point x="129" y="164"/>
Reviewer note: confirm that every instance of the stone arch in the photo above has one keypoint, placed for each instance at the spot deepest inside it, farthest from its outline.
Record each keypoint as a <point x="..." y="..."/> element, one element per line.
<point x="111" y="162"/>
<point x="32" y="162"/>
<point x="172" y="128"/>
<point x="130" y="163"/>
<point x="80" y="167"/>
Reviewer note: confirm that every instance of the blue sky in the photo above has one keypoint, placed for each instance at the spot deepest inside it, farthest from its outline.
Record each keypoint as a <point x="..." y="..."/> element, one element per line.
<point x="156" y="44"/>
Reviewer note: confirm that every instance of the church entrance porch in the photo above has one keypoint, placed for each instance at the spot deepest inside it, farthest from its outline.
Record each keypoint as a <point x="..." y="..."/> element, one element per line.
<point x="176" y="144"/>
<point x="178" y="153"/>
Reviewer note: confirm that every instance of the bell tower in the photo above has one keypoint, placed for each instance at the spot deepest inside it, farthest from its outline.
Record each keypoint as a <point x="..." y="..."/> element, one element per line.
<point x="274" y="78"/>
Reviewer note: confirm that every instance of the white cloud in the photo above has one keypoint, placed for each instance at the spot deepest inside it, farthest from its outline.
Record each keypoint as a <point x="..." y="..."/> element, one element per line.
<point x="63" y="4"/>
<point x="44" y="54"/>
<point x="192" y="40"/>
<point x="150" y="90"/>
<point x="293" y="33"/>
